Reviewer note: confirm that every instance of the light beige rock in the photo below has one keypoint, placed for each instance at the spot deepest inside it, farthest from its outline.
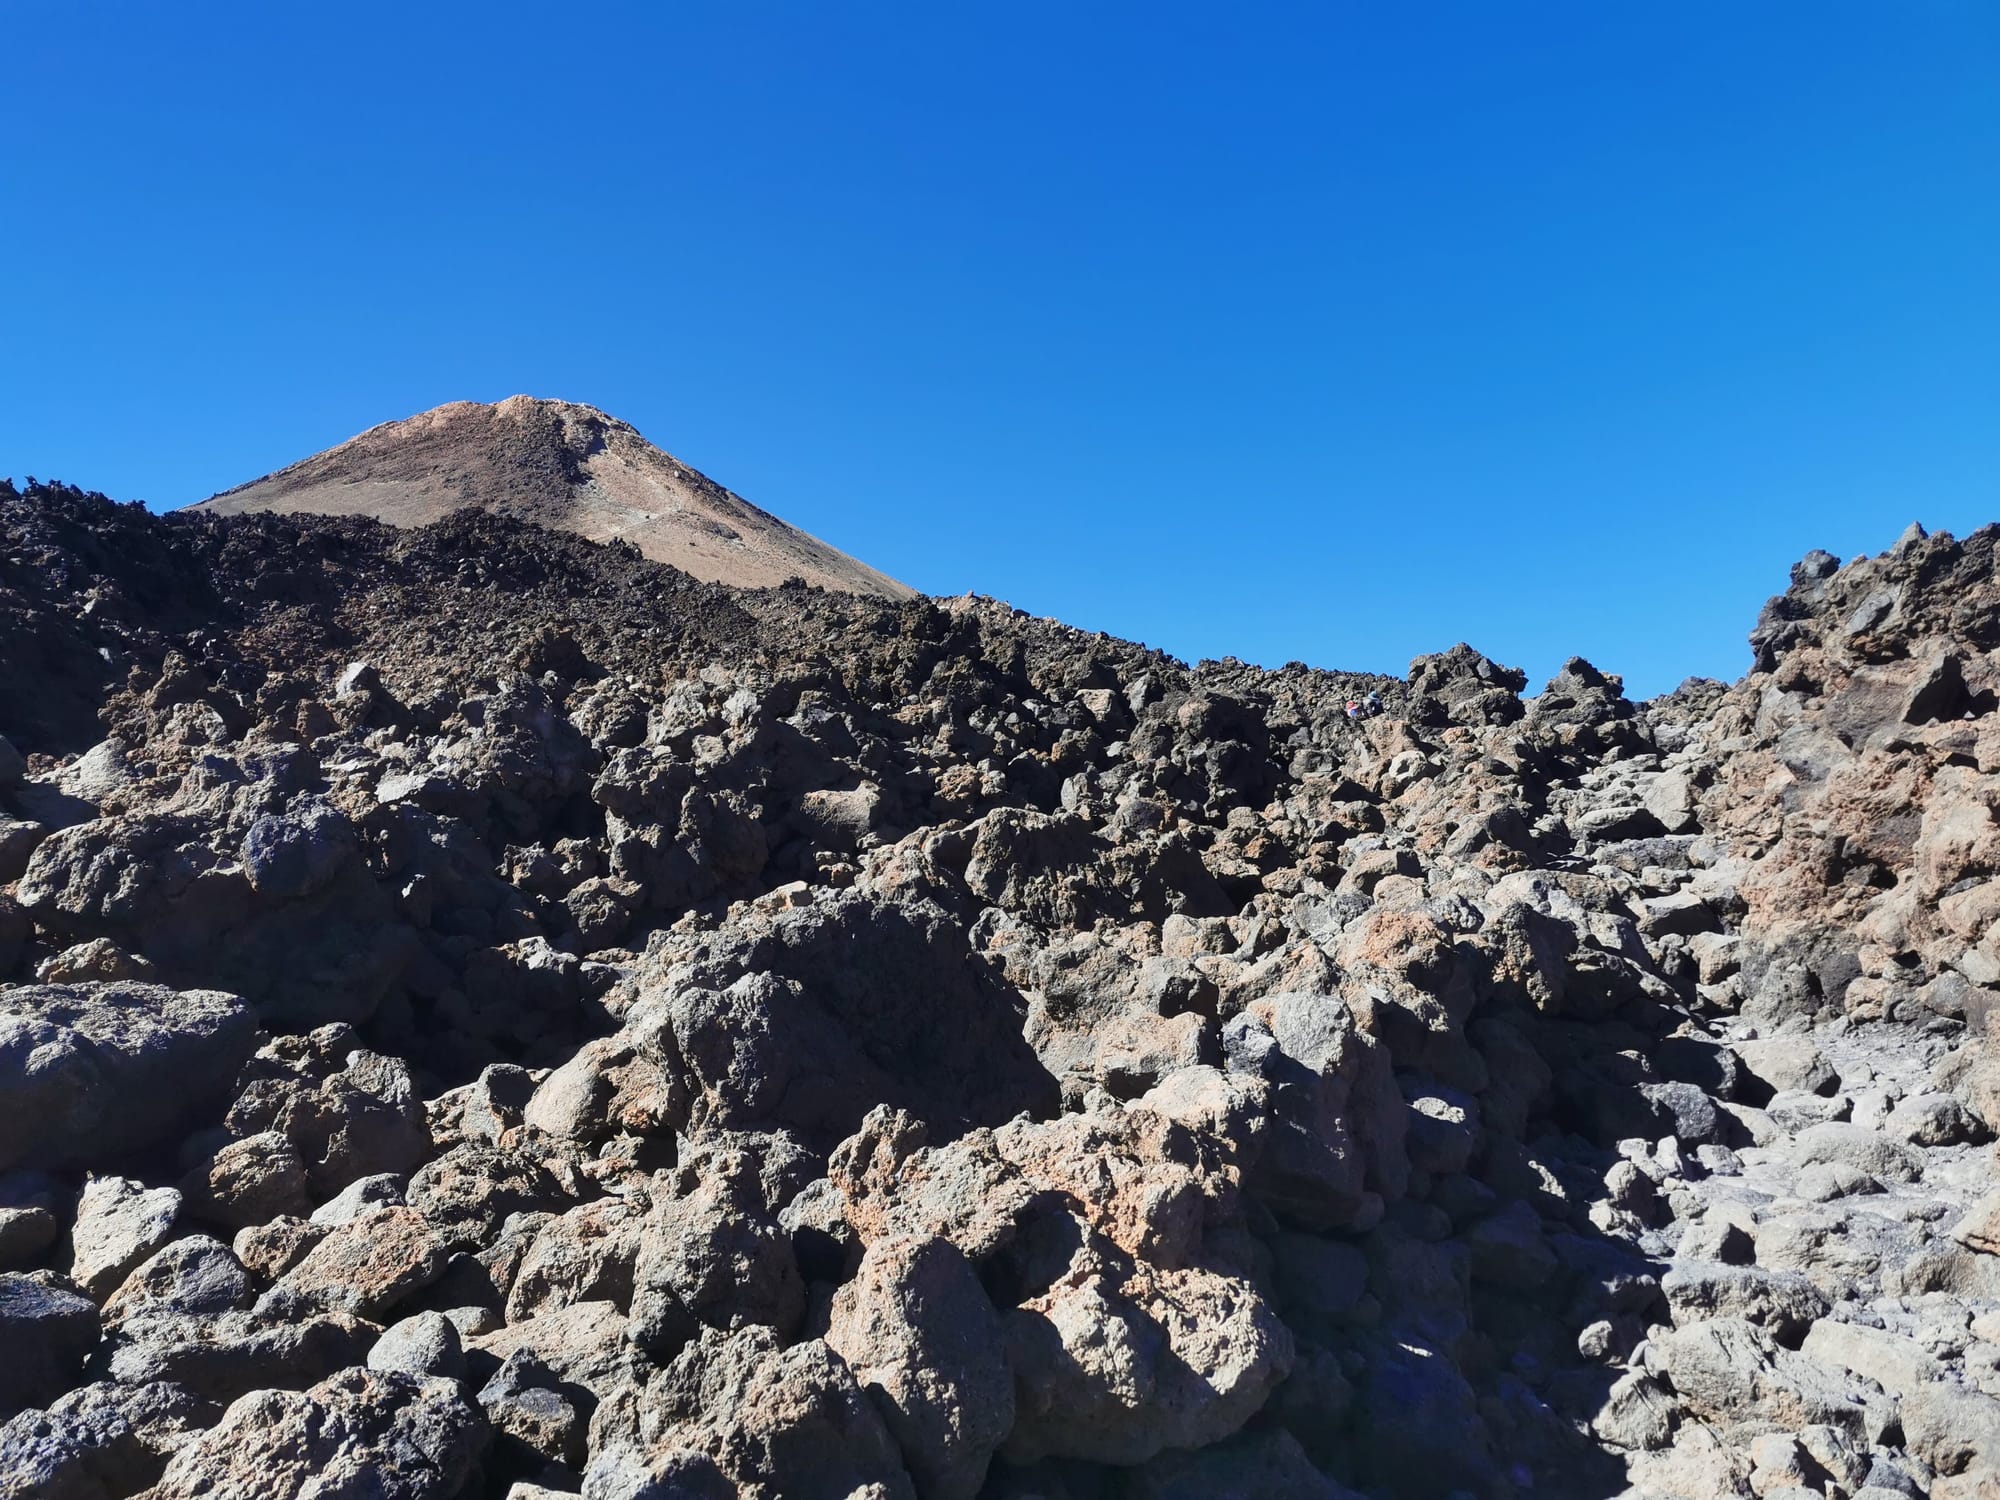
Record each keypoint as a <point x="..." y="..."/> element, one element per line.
<point x="119" y="1222"/>
<point x="921" y="1336"/>
<point x="1898" y="1364"/>
<point x="1980" y="1228"/>
<point x="365" y="1266"/>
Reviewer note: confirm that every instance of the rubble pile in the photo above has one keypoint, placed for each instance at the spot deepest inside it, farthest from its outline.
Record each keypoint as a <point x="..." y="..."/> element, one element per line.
<point x="486" y="1014"/>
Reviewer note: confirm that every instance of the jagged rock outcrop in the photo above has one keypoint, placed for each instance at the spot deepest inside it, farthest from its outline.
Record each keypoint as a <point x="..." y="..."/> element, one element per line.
<point x="492" y="1014"/>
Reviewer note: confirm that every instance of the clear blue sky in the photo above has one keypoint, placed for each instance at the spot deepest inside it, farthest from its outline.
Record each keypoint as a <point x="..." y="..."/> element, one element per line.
<point x="1329" y="331"/>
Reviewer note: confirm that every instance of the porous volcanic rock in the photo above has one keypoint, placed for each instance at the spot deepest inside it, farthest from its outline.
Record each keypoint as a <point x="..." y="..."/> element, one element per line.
<point x="490" y="1013"/>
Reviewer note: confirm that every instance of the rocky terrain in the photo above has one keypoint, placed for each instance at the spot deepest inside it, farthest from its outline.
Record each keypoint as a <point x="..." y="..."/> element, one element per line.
<point x="562" y="465"/>
<point x="487" y="1014"/>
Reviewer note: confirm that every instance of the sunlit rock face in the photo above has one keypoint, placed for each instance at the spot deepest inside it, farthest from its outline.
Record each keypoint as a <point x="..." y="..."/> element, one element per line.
<point x="484" y="1012"/>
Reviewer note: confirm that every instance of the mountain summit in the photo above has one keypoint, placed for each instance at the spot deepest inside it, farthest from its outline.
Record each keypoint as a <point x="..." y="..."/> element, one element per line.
<point x="561" y="465"/>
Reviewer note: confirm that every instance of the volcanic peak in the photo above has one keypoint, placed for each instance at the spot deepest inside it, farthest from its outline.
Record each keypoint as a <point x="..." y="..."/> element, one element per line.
<point x="563" y="465"/>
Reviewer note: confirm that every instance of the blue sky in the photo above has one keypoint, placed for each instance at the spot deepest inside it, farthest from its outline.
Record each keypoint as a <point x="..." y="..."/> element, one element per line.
<point x="1333" y="332"/>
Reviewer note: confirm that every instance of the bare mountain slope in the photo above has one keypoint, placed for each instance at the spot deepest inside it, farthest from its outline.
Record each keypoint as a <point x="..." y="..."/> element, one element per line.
<point x="562" y="465"/>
